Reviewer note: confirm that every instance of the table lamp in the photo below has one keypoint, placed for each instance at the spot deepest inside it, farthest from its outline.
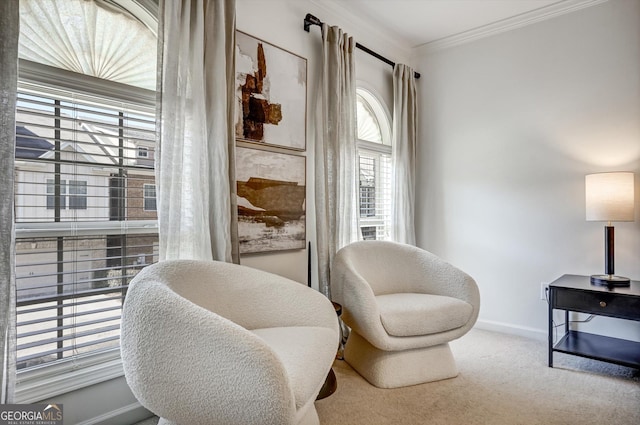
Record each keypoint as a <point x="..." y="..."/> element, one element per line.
<point x="609" y="197"/>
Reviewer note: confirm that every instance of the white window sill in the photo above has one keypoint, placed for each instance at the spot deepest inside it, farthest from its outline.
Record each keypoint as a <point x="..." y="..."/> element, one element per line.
<point x="48" y="381"/>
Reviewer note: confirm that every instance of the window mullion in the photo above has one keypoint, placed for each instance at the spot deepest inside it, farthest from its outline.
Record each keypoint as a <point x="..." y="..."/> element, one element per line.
<point x="57" y="215"/>
<point x="82" y="230"/>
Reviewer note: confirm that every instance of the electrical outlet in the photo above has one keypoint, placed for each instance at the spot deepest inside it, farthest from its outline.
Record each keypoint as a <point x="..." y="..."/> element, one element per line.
<point x="544" y="289"/>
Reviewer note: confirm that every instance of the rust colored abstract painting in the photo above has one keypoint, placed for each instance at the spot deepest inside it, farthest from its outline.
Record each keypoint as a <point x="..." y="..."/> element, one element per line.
<point x="271" y="94"/>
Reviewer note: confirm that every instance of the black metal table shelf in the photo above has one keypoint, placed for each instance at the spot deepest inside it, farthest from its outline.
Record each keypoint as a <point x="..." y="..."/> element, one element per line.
<point x="599" y="347"/>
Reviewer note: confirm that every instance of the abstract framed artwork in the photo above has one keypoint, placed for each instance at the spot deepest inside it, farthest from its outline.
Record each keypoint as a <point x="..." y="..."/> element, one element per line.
<point x="271" y="194"/>
<point x="271" y="94"/>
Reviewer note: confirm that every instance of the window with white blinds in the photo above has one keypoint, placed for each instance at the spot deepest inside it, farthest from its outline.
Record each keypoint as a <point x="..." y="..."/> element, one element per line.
<point x="374" y="168"/>
<point x="374" y="194"/>
<point x="84" y="212"/>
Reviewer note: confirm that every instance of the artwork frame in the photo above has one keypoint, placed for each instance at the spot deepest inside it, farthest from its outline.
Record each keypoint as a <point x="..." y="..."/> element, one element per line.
<point x="270" y="94"/>
<point x="271" y="195"/>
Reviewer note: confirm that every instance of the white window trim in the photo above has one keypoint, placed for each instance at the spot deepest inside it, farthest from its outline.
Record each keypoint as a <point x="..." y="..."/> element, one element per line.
<point x="85" y="228"/>
<point x="381" y="112"/>
<point x="366" y="145"/>
<point x="146" y="11"/>
<point x="37" y="73"/>
<point x="52" y="379"/>
<point x="145" y="197"/>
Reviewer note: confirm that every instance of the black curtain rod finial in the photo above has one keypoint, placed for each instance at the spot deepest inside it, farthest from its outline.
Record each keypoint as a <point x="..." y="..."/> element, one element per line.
<point x="311" y="20"/>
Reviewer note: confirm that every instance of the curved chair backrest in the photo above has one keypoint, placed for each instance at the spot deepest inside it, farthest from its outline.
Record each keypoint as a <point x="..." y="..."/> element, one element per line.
<point x="391" y="267"/>
<point x="186" y="362"/>
<point x="364" y="270"/>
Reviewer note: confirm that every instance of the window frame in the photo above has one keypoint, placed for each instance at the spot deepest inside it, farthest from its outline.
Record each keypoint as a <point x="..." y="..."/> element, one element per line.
<point x="77" y="194"/>
<point x="376" y="150"/>
<point x="51" y="194"/>
<point x="142" y="152"/>
<point x="145" y="197"/>
<point x="80" y="371"/>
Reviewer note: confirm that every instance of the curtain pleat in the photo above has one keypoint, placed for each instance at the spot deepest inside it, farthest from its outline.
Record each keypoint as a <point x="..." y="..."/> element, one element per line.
<point x="404" y="154"/>
<point x="335" y="152"/>
<point x="195" y="170"/>
<point x="9" y="33"/>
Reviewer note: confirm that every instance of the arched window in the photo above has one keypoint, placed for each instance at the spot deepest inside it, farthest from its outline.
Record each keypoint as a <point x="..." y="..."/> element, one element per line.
<point x="85" y="214"/>
<point x="97" y="38"/>
<point x="374" y="167"/>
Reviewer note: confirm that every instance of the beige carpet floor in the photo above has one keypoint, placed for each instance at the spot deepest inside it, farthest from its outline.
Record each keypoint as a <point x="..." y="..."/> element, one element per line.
<point x="503" y="380"/>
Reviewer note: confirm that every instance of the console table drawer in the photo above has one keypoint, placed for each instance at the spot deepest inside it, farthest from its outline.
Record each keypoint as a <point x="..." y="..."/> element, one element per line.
<point x="600" y="303"/>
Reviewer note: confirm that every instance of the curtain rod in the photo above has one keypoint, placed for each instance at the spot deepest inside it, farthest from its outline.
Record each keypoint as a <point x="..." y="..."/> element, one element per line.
<point x="312" y="20"/>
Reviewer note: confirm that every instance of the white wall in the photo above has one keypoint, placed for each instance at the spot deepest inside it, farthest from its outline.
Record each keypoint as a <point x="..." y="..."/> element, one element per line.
<point x="280" y="22"/>
<point x="510" y="125"/>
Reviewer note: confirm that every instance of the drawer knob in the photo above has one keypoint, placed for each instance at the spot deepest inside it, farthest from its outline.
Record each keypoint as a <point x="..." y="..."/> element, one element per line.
<point x="603" y="304"/>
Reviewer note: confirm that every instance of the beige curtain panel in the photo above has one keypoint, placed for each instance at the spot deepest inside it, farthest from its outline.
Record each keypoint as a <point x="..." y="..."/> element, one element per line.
<point x="195" y="171"/>
<point x="335" y="151"/>
<point x="405" y="112"/>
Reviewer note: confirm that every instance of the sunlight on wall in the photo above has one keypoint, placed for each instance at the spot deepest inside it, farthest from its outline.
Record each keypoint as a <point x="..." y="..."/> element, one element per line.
<point x="610" y="149"/>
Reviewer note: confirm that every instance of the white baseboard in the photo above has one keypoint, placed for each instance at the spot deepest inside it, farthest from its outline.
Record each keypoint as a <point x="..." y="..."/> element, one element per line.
<point x="125" y="415"/>
<point x="508" y="328"/>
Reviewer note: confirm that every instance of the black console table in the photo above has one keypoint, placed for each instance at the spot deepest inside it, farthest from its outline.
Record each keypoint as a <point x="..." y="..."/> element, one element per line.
<point x="576" y="293"/>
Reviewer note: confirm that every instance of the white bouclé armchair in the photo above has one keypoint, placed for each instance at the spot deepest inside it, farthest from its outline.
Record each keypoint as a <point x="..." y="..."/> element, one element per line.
<point x="206" y="342"/>
<point x="403" y="305"/>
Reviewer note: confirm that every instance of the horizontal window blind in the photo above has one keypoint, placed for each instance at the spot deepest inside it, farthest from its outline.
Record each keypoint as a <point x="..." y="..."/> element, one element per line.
<point x="85" y="216"/>
<point x="374" y="192"/>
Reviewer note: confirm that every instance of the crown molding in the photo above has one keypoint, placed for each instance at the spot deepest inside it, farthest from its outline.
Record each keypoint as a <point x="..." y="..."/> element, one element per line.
<point x="508" y="24"/>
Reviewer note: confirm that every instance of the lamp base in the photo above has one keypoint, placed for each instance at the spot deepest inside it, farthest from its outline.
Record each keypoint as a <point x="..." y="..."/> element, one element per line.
<point x="609" y="280"/>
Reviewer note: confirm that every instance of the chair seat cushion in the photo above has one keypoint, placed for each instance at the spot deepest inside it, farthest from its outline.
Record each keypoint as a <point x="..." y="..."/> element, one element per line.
<point x="302" y="350"/>
<point x="412" y="314"/>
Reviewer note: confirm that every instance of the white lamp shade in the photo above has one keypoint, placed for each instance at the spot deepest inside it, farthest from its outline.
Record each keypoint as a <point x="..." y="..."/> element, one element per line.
<point x="610" y="196"/>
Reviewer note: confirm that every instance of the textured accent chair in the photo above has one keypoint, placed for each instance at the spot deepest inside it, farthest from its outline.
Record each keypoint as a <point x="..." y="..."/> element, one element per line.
<point x="206" y="342"/>
<point x="403" y="305"/>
